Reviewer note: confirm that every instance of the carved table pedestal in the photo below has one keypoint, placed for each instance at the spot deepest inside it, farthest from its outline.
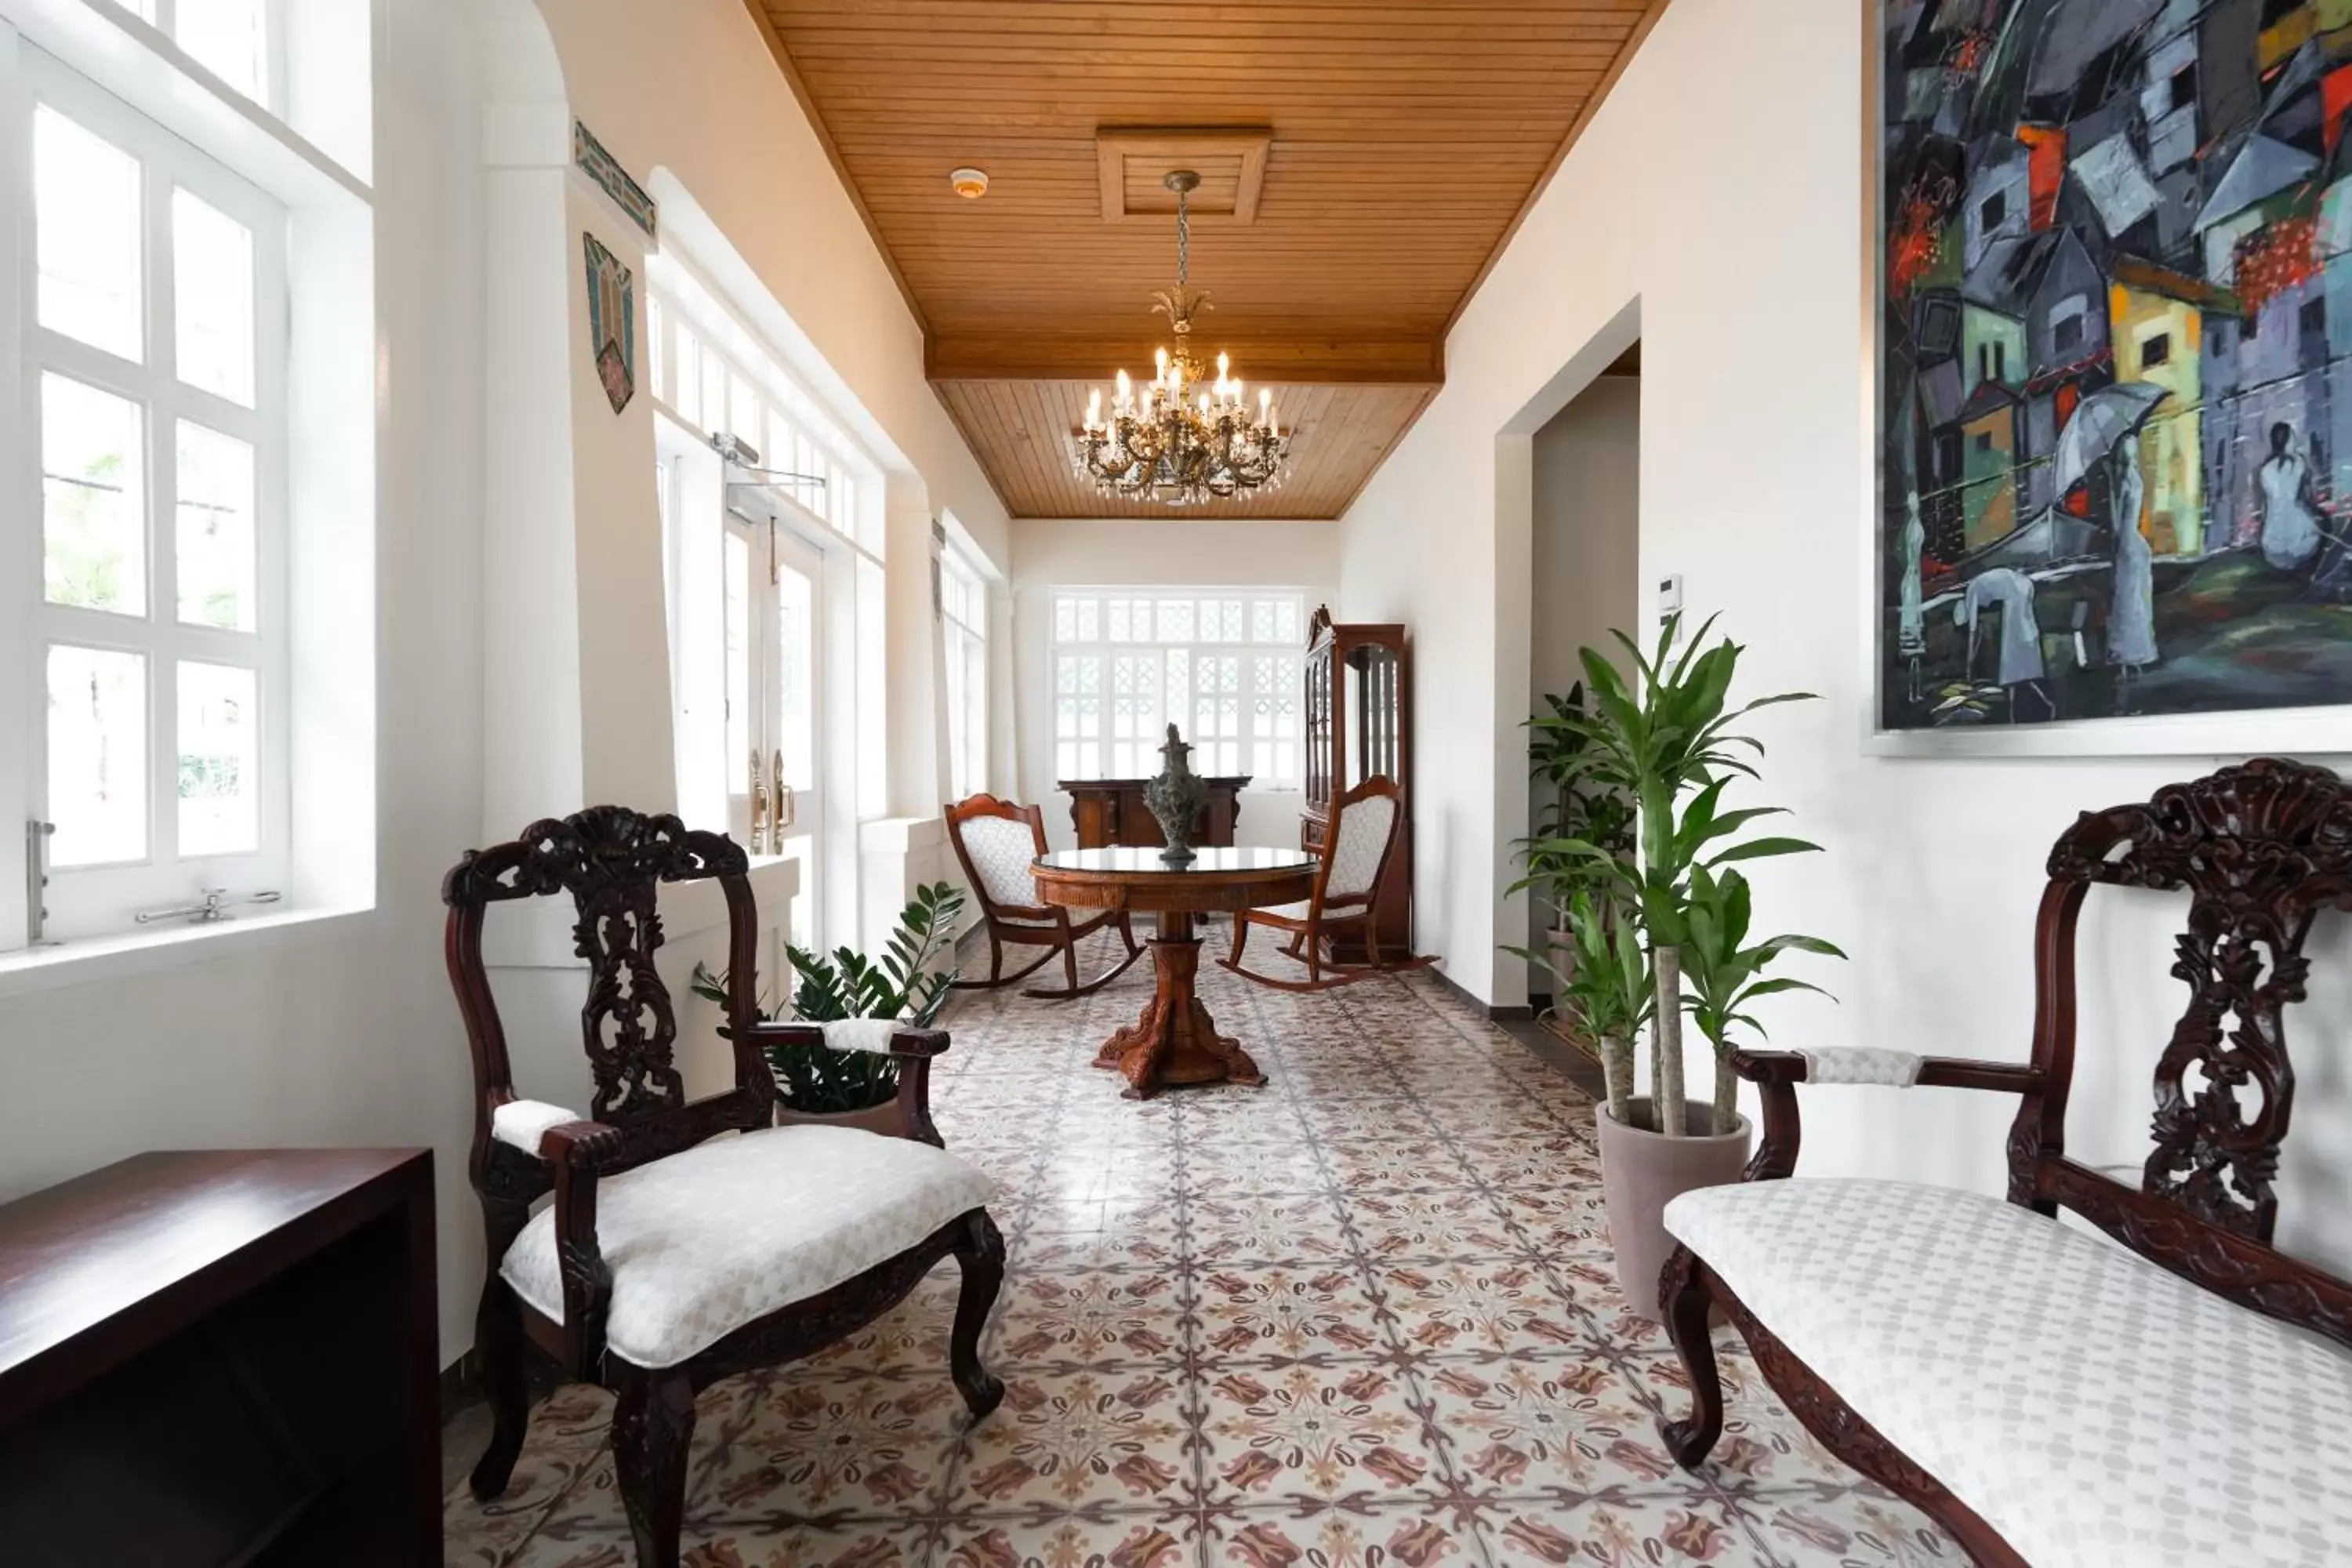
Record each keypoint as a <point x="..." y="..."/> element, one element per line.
<point x="1175" y="1041"/>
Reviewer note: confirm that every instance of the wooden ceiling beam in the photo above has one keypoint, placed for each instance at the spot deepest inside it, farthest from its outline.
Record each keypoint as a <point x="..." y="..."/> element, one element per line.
<point x="1321" y="361"/>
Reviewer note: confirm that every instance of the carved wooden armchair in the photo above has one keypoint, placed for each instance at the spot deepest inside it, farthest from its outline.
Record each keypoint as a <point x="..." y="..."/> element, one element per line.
<point x="997" y="842"/>
<point x="1367" y="822"/>
<point x="2047" y="1399"/>
<point x="672" y="1257"/>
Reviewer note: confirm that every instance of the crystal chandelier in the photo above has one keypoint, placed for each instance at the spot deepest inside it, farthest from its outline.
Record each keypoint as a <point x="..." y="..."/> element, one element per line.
<point x="1182" y="438"/>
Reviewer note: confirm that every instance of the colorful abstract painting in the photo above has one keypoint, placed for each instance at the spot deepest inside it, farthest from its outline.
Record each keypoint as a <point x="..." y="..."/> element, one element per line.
<point x="612" y="322"/>
<point x="2114" y="359"/>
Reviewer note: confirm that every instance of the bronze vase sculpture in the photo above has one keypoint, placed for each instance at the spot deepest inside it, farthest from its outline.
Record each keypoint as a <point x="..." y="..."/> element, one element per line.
<point x="1176" y="797"/>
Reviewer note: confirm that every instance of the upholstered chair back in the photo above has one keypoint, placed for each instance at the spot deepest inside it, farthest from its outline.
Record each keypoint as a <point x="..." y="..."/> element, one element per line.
<point x="1366" y="826"/>
<point x="998" y="841"/>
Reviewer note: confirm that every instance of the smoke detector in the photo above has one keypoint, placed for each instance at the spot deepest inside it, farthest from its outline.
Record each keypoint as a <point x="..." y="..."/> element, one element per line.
<point x="970" y="184"/>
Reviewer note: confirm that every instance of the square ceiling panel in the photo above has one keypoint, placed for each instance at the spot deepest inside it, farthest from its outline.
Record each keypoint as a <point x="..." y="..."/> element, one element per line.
<point x="1134" y="164"/>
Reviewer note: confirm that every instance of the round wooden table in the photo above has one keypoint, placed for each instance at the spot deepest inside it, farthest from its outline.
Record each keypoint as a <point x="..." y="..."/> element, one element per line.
<point x="1175" y="1041"/>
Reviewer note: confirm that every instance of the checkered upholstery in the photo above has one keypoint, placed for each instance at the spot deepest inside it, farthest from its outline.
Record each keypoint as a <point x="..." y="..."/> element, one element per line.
<point x="2097" y="1410"/>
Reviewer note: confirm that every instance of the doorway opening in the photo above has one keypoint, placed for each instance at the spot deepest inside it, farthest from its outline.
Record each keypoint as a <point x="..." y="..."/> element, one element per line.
<point x="1585" y="543"/>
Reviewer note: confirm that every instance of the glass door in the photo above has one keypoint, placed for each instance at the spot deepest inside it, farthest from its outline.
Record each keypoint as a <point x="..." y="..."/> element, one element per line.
<point x="795" y="650"/>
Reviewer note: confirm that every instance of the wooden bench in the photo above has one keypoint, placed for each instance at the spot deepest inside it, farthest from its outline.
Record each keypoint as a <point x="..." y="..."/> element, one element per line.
<point x="2047" y="1396"/>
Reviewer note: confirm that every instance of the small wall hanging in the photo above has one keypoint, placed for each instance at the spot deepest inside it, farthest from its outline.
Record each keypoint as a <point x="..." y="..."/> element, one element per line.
<point x="612" y="322"/>
<point x="605" y="172"/>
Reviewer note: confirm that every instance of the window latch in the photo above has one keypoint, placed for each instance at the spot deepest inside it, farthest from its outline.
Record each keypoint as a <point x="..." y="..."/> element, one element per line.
<point x="215" y="907"/>
<point x="38" y="834"/>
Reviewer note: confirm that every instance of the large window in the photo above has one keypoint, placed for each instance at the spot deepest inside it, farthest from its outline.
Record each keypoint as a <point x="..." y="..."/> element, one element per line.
<point x="1223" y="665"/>
<point x="151" y="294"/>
<point x="963" y="612"/>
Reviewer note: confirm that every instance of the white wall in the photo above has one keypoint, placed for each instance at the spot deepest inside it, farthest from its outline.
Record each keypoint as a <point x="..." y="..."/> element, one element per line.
<point x="342" y="1033"/>
<point x="1049" y="553"/>
<point x="345" y="1033"/>
<point x="1713" y="206"/>
<point x="1585" y="546"/>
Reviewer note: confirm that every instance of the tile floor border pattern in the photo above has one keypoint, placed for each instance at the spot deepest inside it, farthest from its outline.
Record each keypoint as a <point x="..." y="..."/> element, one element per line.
<point x="1365" y="1314"/>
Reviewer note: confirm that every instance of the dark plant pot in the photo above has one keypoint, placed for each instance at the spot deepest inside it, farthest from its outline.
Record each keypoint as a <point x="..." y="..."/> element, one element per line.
<point x="1641" y="1171"/>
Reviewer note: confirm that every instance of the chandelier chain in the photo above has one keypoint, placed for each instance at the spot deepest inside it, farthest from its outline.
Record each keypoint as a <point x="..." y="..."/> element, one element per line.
<point x="1183" y="235"/>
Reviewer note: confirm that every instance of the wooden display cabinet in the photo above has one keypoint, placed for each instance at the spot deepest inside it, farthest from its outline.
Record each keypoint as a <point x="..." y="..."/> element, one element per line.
<point x="1358" y="725"/>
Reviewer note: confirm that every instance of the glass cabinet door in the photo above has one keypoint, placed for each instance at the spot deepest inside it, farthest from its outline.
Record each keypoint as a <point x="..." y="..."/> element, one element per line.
<point x="1374" y="695"/>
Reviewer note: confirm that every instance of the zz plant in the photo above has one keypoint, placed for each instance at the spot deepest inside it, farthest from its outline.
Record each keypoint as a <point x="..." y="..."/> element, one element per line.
<point x="904" y="985"/>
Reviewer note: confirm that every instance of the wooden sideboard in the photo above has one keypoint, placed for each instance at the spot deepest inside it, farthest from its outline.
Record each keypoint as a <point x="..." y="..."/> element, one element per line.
<point x="222" y="1356"/>
<point x="1107" y="812"/>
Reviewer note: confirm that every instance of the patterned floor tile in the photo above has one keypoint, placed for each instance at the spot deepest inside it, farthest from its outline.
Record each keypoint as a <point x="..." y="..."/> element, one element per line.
<point x="1309" y="1433"/>
<point x="1364" y="1316"/>
<point x="1257" y="1313"/>
<point x="1354" y="1534"/>
<point x="1068" y="1440"/>
<point x="1495" y="1306"/>
<point x="1231" y="1230"/>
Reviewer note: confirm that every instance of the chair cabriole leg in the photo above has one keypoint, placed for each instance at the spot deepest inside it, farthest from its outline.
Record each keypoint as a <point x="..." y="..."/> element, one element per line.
<point x="980" y="1254"/>
<point x="1685" y="1303"/>
<point x="653" y="1429"/>
<point x="498" y="1338"/>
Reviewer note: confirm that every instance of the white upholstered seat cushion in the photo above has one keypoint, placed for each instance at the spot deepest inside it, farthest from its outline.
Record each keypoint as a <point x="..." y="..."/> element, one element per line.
<point x="706" y="1241"/>
<point x="2090" y="1406"/>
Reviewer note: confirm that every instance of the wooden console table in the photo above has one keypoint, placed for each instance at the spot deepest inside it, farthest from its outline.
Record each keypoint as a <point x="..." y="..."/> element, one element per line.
<point x="1109" y="812"/>
<point x="222" y="1356"/>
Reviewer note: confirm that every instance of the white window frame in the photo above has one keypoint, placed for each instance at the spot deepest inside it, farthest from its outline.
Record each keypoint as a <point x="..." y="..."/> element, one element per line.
<point x="84" y="903"/>
<point x="1118" y="682"/>
<point x="963" y="635"/>
<point x="165" y="17"/>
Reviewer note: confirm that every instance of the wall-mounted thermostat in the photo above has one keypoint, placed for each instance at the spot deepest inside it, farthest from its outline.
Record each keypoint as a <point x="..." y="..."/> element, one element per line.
<point x="1670" y="599"/>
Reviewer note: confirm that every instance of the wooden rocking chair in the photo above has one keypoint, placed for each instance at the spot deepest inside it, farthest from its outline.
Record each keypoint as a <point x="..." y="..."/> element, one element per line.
<point x="997" y="842"/>
<point x="1365" y="824"/>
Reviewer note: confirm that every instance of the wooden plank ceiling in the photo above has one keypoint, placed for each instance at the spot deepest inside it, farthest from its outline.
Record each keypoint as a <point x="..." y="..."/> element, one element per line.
<point x="1408" y="136"/>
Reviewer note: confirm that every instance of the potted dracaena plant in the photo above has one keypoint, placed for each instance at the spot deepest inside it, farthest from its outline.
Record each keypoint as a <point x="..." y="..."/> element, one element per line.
<point x="1665" y="739"/>
<point x="1576" y="810"/>
<point x="856" y="1088"/>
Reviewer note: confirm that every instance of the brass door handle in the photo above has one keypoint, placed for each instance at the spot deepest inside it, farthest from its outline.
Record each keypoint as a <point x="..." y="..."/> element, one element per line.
<point x="788" y="803"/>
<point x="759" y="807"/>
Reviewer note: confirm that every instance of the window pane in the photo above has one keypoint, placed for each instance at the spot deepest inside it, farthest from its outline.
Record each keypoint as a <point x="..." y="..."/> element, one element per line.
<point x="796" y="676"/>
<point x="743" y="417"/>
<point x="85" y="213"/>
<point x="98" y="755"/>
<point x="739" y="658"/>
<point x="220" y="761"/>
<point x="211" y="298"/>
<point x="225" y="37"/>
<point x="93" y="498"/>
<point x="687" y="399"/>
<point x="657" y="345"/>
<point x="714" y="392"/>
<point x="215" y="561"/>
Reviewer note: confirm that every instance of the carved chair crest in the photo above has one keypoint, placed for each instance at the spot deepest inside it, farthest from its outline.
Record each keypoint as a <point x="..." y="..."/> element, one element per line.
<point x="2260" y="849"/>
<point x="611" y="860"/>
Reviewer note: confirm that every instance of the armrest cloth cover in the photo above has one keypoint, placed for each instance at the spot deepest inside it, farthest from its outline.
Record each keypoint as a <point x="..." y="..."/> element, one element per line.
<point x="1863" y="1065"/>
<point x="523" y="1122"/>
<point x="870" y="1035"/>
